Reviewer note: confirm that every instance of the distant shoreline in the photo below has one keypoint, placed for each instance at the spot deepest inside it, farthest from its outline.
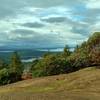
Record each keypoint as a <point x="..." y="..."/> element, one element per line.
<point x="30" y="59"/>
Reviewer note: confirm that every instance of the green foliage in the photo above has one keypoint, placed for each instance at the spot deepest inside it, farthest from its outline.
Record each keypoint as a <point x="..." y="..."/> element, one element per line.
<point x="7" y="77"/>
<point x="51" y="65"/>
<point x="2" y="64"/>
<point x="33" y="64"/>
<point x="16" y="65"/>
<point x="94" y="40"/>
<point x="4" y="74"/>
<point x="66" y="52"/>
<point x="13" y="72"/>
<point x="85" y="55"/>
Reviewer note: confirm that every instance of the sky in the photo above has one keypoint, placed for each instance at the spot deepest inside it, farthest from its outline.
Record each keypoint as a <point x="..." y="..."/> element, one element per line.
<point x="47" y="23"/>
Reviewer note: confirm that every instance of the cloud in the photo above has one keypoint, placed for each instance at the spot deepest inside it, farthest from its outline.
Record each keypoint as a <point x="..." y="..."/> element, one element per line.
<point x="33" y="25"/>
<point x="37" y="23"/>
<point x="48" y="3"/>
<point x="22" y="31"/>
<point x="54" y="19"/>
<point x="21" y="34"/>
<point x="80" y="30"/>
<point x="10" y="7"/>
<point x="93" y="4"/>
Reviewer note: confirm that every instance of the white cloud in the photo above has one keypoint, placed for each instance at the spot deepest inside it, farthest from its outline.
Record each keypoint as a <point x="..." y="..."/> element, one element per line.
<point x="94" y="4"/>
<point x="48" y="23"/>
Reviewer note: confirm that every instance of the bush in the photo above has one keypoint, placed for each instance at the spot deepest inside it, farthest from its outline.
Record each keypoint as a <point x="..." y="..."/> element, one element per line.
<point x="85" y="55"/>
<point x="7" y="77"/>
<point x="4" y="76"/>
<point x="51" y="65"/>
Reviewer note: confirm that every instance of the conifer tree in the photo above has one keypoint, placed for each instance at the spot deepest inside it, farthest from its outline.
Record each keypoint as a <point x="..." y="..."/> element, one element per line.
<point x="66" y="51"/>
<point x="16" y="64"/>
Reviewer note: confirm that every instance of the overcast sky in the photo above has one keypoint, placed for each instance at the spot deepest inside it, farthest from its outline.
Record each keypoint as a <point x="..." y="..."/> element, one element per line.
<point x="47" y="23"/>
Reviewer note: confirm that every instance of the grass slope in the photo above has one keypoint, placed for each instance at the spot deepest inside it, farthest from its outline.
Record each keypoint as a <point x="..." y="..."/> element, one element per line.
<point x="80" y="85"/>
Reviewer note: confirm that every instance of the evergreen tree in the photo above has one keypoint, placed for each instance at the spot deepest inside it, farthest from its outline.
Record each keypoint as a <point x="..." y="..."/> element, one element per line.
<point x="66" y="51"/>
<point x="2" y="64"/>
<point x="16" y="64"/>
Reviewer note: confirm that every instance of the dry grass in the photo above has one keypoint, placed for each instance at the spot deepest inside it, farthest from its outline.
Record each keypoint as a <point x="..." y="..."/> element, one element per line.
<point x="80" y="85"/>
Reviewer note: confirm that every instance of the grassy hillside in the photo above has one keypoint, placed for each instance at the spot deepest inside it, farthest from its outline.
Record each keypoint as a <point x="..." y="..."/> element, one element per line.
<point x="80" y="85"/>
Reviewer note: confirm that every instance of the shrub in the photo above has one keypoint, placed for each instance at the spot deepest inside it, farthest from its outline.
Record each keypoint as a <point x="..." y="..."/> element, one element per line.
<point x="4" y="76"/>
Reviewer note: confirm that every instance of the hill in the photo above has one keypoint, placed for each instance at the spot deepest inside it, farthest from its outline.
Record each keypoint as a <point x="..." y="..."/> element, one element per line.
<point x="81" y="85"/>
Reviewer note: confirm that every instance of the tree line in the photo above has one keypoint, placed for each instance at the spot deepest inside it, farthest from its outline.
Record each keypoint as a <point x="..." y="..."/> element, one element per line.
<point x="85" y="55"/>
